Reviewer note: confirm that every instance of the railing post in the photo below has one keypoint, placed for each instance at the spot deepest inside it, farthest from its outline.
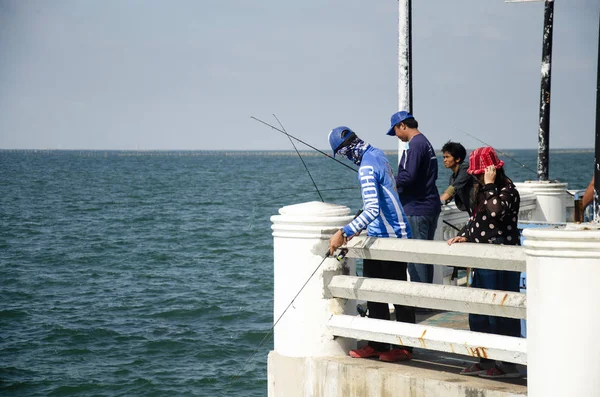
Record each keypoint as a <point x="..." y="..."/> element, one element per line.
<point x="300" y="240"/>
<point x="551" y="200"/>
<point x="563" y="324"/>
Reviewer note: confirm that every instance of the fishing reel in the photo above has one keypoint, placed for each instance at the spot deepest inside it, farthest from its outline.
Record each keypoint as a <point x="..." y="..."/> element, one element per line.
<point x="361" y="310"/>
<point x="341" y="254"/>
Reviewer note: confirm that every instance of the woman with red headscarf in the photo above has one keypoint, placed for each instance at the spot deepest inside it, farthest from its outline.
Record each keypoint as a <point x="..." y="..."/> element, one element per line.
<point x="493" y="221"/>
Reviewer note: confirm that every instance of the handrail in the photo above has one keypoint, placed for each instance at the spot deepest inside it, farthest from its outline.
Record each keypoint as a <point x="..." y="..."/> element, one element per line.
<point x="481" y="256"/>
<point x="474" y="344"/>
<point x="443" y="297"/>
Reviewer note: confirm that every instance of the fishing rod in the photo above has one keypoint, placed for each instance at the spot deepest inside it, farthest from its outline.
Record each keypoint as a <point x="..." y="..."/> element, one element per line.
<point x="312" y="147"/>
<point x="502" y="153"/>
<point x="451" y="225"/>
<point x="301" y="159"/>
<point x="339" y="257"/>
<point x="301" y="141"/>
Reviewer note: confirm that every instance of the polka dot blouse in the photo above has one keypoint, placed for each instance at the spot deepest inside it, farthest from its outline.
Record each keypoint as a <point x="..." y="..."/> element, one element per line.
<point x="494" y="218"/>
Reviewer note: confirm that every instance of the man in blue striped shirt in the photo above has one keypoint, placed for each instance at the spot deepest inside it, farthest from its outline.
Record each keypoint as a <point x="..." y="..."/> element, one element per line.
<point x="382" y="216"/>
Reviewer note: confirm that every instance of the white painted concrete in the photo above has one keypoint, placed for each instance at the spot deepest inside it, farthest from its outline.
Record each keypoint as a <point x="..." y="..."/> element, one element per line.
<point x="483" y="256"/>
<point x="301" y="233"/>
<point x="474" y="344"/>
<point x="551" y="200"/>
<point x="456" y="220"/>
<point x="317" y="325"/>
<point x="563" y="313"/>
<point x="348" y="377"/>
<point x="442" y="297"/>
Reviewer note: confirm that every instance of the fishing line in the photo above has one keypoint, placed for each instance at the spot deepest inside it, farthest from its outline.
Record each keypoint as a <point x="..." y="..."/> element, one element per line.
<point x="502" y="153"/>
<point x="301" y="141"/>
<point x="301" y="159"/>
<point x="273" y="327"/>
<point x="325" y="154"/>
<point x="339" y="257"/>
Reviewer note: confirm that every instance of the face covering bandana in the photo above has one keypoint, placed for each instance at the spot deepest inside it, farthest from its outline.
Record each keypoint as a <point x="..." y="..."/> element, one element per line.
<point x="354" y="151"/>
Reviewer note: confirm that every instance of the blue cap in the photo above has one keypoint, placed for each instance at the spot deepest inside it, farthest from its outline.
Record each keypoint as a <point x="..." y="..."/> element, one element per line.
<point x="340" y="136"/>
<point x="397" y="118"/>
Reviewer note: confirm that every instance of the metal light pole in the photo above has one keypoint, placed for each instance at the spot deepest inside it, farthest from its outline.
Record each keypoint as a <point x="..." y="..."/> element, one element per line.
<point x="595" y="203"/>
<point x="405" y="97"/>
<point x="405" y="55"/>
<point x="544" y="133"/>
<point x="544" y="130"/>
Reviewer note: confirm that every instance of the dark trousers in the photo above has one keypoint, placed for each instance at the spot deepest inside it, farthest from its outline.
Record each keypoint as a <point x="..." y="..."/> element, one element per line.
<point x="498" y="280"/>
<point x="391" y="271"/>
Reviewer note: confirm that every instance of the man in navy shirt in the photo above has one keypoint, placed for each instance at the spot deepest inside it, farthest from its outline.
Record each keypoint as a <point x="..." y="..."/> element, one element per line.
<point x="417" y="173"/>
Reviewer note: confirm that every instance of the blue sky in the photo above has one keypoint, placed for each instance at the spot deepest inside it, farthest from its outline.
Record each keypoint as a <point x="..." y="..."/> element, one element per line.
<point x="188" y="74"/>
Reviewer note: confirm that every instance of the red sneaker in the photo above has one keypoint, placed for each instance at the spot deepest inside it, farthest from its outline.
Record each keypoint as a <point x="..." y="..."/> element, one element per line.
<point x="364" y="352"/>
<point x="395" y="355"/>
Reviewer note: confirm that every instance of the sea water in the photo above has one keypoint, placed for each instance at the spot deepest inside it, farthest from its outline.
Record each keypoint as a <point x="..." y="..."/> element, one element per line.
<point x="151" y="273"/>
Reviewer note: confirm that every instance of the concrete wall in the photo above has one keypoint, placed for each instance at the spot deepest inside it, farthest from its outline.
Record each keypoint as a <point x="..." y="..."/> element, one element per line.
<point x="347" y="377"/>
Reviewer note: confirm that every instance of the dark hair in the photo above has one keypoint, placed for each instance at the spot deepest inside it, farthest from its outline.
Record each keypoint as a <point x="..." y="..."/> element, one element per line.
<point x="409" y="122"/>
<point x="456" y="150"/>
<point x="501" y="179"/>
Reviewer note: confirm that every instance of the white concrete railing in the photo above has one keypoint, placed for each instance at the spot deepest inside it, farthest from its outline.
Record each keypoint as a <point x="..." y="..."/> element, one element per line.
<point x="322" y="319"/>
<point x="456" y="218"/>
<point x="311" y="224"/>
<point x="443" y="297"/>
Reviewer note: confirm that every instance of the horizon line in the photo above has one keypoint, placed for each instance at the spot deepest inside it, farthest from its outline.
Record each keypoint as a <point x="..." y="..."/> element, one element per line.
<point x="590" y="149"/>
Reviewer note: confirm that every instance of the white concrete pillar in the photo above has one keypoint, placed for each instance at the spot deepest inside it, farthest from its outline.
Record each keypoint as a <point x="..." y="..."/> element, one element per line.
<point x="551" y="200"/>
<point x="563" y="311"/>
<point x="301" y="235"/>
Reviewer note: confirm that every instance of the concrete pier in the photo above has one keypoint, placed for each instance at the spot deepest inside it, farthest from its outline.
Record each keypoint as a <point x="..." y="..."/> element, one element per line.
<point x="424" y="376"/>
<point x="428" y="374"/>
<point x="311" y="357"/>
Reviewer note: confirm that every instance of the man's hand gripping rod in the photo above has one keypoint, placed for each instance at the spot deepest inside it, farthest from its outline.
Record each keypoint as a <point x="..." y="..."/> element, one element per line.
<point x="343" y="251"/>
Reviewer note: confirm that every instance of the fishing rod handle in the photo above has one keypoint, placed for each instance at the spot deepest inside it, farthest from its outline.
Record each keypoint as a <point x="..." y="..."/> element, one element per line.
<point x="344" y="251"/>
